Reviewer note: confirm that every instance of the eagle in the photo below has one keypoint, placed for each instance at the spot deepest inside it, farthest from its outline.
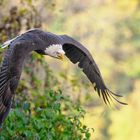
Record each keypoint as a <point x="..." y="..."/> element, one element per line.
<point x="45" y="43"/>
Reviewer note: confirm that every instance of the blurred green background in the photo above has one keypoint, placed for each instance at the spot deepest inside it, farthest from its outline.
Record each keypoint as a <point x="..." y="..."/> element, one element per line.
<point x="110" y="29"/>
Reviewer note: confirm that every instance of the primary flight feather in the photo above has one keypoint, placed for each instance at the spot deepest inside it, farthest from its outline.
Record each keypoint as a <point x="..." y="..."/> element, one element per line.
<point x="45" y="43"/>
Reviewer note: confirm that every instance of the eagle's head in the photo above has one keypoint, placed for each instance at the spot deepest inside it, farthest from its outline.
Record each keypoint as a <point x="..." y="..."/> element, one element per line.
<point x="54" y="50"/>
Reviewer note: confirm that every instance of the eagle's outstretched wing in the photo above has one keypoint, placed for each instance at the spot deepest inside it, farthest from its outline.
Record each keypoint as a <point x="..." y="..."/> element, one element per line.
<point x="76" y="52"/>
<point x="5" y="93"/>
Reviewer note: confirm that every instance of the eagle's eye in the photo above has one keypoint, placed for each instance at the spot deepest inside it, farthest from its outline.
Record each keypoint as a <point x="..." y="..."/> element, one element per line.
<point x="60" y="54"/>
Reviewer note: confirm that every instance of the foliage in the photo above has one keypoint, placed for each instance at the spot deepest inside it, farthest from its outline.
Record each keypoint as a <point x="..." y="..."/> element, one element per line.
<point x="58" y="118"/>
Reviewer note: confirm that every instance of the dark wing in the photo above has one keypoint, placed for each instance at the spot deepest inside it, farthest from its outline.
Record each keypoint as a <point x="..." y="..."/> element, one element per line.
<point x="4" y="76"/>
<point x="5" y="94"/>
<point x="76" y="52"/>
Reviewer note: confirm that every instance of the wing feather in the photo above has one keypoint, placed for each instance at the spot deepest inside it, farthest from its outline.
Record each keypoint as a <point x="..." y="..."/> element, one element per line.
<point x="76" y="52"/>
<point x="4" y="75"/>
<point x="5" y="95"/>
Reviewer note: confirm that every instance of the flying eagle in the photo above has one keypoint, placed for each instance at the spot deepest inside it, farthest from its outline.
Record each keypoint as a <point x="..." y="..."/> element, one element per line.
<point x="45" y="43"/>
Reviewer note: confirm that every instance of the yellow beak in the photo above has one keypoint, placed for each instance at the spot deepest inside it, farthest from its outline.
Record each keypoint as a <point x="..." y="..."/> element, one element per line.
<point x="61" y="56"/>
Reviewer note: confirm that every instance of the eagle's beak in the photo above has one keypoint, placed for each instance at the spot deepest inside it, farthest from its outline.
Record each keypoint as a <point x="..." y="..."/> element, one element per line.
<point x="61" y="56"/>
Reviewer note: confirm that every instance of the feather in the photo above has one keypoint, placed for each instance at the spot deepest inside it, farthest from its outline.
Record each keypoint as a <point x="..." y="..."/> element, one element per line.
<point x="76" y="51"/>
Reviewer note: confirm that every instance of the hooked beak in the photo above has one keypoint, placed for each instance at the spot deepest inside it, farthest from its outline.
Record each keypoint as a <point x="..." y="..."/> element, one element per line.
<point x="60" y="56"/>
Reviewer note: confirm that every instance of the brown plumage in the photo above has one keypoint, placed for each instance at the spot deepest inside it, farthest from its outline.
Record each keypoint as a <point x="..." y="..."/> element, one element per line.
<point x="37" y="40"/>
